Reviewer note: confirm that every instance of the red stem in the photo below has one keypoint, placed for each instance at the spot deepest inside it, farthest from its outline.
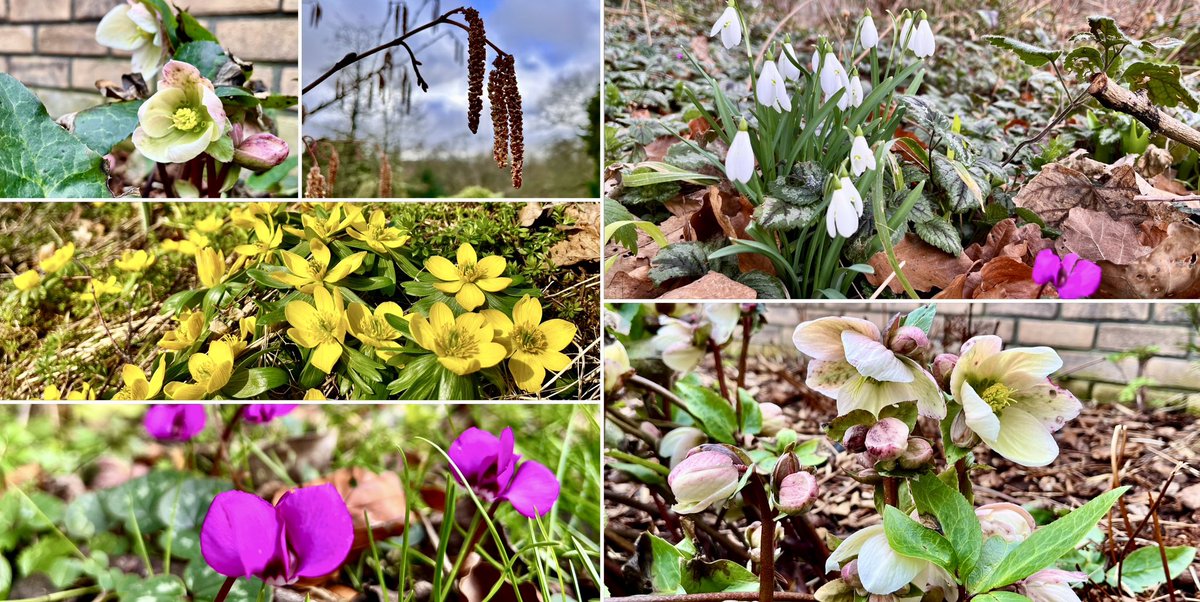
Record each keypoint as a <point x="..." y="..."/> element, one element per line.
<point x="225" y="587"/>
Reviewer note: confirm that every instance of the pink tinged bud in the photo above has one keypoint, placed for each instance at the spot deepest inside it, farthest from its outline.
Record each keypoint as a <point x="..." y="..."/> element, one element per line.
<point x="918" y="454"/>
<point x="850" y="574"/>
<point x="797" y="493"/>
<point x="1009" y="522"/>
<point x="261" y="152"/>
<point x="909" y="340"/>
<point x="943" y="365"/>
<point x="787" y="464"/>
<point x="773" y="419"/>
<point x="701" y="480"/>
<point x="855" y="439"/>
<point x="676" y="444"/>
<point x="961" y="434"/>
<point x="887" y="440"/>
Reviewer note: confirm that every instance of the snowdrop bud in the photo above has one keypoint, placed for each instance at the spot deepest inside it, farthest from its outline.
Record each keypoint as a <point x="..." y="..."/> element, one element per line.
<point x="702" y="480"/>
<point x="961" y="434"/>
<point x="788" y="63"/>
<point x="887" y="440"/>
<point x="868" y="36"/>
<point x="773" y="419"/>
<point x="261" y="152"/>
<point x="909" y="340"/>
<point x="854" y="92"/>
<point x="679" y="442"/>
<point x="861" y="157"/>
<point x="770" y="89"/>
<point x="850" y="574"/>
<point x="943" y="365"/>
<point x="1009" y="522"/>
<point x="729" y="26"/>
<point x="855" y="439"/>
<point x="918" y="454"/>
<point x="797" y="492"/>
<point x="739" y="161"/>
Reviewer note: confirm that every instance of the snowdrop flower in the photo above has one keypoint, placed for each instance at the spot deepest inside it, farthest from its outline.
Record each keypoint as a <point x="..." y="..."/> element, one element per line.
<point x="788" y="63"/>
<point x="1052" y="585"/>
<point x="920" y="41"/>
<point x="845" y="207"/>
<point x="851" y="364"/>
<point x="770" y="88"/>
<point x="1009" y="401"/>
<point x="883" y="570"/>
<point x="868" y="36"/>
<point x="133" y="27"/>
<point x="833" y="78"/>
<point x="739" y="161"/>
<point x="729" y="26"/>
<point x="854" y="92"/>
<point x="861" y="157"/>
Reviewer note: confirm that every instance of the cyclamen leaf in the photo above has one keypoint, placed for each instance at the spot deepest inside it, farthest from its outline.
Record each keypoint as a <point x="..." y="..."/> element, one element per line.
<point x="1034" y="56"/>
<point x="1143" y="568"/>
<point x="910" y="538"/>
<point x="38" y="158"/>
<point x="955" y="516"/>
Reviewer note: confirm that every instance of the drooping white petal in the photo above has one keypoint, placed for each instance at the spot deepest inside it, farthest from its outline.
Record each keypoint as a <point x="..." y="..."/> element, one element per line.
<point x="1040" y="362"/>
<point x="841" y="217"/>
<point x="851" y="546"/>
<point x="924" y="42"/>
<point x="871" y="358"/>
<point x="868" y="36"/>
<point x="1050" y="404"/>
<point x="973" y="353"/>
<point x="822" y="338"/>
<point x="864" y="393"/>
<point x="833" y="75"/>
<point x="1023" y="439"/>
<point x="882" y="570"/>
<point x="147" y="60"/>
<point x="861" y="157"/>
<point x="117" y="30"/>
<point x="788" y="63"/>
<point x="682" y="357"/>
<point x="979" y="414"/>
<point x="730" y="28"/>
<point x="852" y="194"/>
<point x="906" y="34"/>
<point x="854" y="92"/>
<point x="770" y="89"/>
<point x="739" y="161"/>
<point x="724" y="318"/>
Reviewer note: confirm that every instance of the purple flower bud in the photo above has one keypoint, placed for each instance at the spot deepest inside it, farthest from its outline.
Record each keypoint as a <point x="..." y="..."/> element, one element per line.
<point x="261" y="152"/>
<point x="943" y="365"/>
<point x="887" y="440"/>
<point x="797" y="492"/>
<point x="855" y="438"/>
<point x="918" y="454"/>
<point x="850" y="574"/>
<point x="909" y="340"/>
<point x="702" y="479"/>
<point x="787" y="464"/>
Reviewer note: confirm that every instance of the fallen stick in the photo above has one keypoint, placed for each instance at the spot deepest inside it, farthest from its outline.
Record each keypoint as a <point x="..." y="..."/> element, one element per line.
<point x="1113" y="96"/>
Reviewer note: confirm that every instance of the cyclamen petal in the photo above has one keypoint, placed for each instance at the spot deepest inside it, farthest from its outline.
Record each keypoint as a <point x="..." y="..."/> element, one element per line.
<point x="533" y="490"/>
<point x="494" y="472"/>
<point x="175" y="422"/>
<point x="318" y="528"/>
<point x="770" y="89"/>
<point x="260" y="413"/>
<point x="473" y="452"/>
<point x="240" y="534"/>
<point x="739" y="161"/>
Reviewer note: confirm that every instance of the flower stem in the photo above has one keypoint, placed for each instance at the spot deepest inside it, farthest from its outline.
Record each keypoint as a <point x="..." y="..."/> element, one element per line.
<point x="747" y="327"/>
<point x="766" y="556"/>
<point x="891" y="491"/>
<point x="964" y="480"/>
<point x="225" y="587"/>
<point x="474" y="534"/>
<point x="716" y="351"/>
<point x="712" y="597"/>
<point x="64" y="595"/>
<point x="226" y="435"/>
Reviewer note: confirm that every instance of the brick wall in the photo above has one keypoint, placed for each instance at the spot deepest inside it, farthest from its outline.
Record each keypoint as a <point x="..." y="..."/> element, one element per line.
<point x="50" y="46"/>
<point x="1082" y="333"/>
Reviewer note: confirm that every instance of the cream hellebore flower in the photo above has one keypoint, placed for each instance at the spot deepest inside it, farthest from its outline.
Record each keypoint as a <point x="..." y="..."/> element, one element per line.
<point x="1009" y="401"/>
<point x="1007" y="521"/>
<point x="770" y="89"/>
<point x="1052" y="585"/>
<point x="845" y="208"/>
<point x="788" y="63"/>
<point x="861" y="157"/>
<point x="616" y="365"/>
<point x="885" y="571"/>
<point x="729" y="26"/>
<point x="868" y="36"/>
<point x="739" y="161"/>
<point x="683" y="343"/>
<point x="851" y="364"/>
<point x="183" y="119"/>
<point x="133" y="27"/>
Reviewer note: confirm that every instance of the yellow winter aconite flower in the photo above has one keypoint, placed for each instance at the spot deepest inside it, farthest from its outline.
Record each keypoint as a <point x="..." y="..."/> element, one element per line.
<point x="188" y="246"/>
<point x="85" y="393"/>
<point x="210" y="371"/>
<point x="324" y="229"/>
<point x="374" y="329"/>
<point x="249" y="214"/>
<point x="238" y="343"/>
<point x="320" y="327"/>
<point x="537" y="346"/>
<point x="27" y="280"/>
<point x="189" y="329"/>
<point x="137" y="386"/>
<point x="463" y="345"/>
<point x="51" y="393"/>
<point x="314" y="395"/>
<point x="377" y="234"/>
<point x="210" y="224"/>
<point x="306" y="274"/>
<point x="94" y="289"/>
<point x="59" y="259"/>
<point x="467" y="280"/>
<point x="267" y="239"/>
<point x="135" y="261"/>
<point x="210" y="267"/>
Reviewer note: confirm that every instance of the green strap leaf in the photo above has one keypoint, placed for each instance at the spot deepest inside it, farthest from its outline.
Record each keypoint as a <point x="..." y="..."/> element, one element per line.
<point x="910" y="538"/>
<point x="1034" y="56"/>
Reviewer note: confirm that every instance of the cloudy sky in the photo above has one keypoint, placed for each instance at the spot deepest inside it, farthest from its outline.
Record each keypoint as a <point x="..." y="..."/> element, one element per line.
<point x="556" y="44"/>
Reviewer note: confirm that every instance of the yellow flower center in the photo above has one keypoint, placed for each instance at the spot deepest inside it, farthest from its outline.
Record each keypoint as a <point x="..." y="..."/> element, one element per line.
<point x="469" y="272"/>
<point x="998" y="396"/>
<point x="456" y="343"/>
<point x="316" y="269"/>
<point x="326" y="325"/>
<point x="379" y="329"/>
<point x="185" y="118"/>
<point x="203" y="371"/>
<point x="529" y="338"/>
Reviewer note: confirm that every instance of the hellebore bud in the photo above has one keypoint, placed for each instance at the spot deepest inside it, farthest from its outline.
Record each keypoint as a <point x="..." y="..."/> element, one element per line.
<point x="261" y="152"/>
<point x="797" y="492"/>
<point x="943" y="365"/>
<point x="739" y="457"/>
<point x="753" y="537"/>
<point x="909" y="340"/>
<point x="701" y="480"/>
<point x="679" y="442"/>
<point x="855" y="439"/>
<point x="787" y="464"/>
<point x="918" y="454"/>
<point x="961" y="434"/>
<point x="850" y="574"/>
<point x="887" y="440"/>
<point x="773" y="420"/>
<point x="616" y="366"/>
<point x="1009" y="522"/>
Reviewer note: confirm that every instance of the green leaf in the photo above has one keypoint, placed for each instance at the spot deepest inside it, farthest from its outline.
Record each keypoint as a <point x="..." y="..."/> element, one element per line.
<point x="51" y="556"/>
<point x="1107" y="32"/>
<point x="208" y="57"/>
<point x="656" y="172"/>
<point x="922" y="317"/>
<point x="221" y="149"/>
<point x="168" y="18"/>
<point x="1000" y="597"/>
<point x="279" y="101"/>
<point x="751" y="413"/>
<point x="679" y="260"/>
<point x="941" y="234"/>
<point x="1048" y="543"/>
<point x="701" y="577"/>
<point x="103" y="127"/>
<point x="715" y="412"/>
<point x="190" y="30"/>
<point x="960" y="186"/>
<point x="955" y="516"/>
<point x="38" y="158"/>
<point x="1143" y="569"/>
<point x="266" y="180"/>
<point x="993" y="552"/>
<point x="184" y="506"/>
<point x="1161" y="82"/>
<point x="910" y="538"/>
<point x="776" y="214"/>
<point x="1034" y="56"/>
<point x="6" y="578"/>
<point x="1083" y="61"/>
<point x="85" y="517"/>
<point x="664" y="562"/>
<point x="154" y="589"/>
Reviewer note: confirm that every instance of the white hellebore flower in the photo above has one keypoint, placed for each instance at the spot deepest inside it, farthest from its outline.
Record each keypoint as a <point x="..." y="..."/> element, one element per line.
<point x="868" y="36"/>
<point x="788" y="63"/>
<point x="1052" y="585"/>
<point x="1007" y="521"/>
<point x="739" y="161"/>
<point x="182" y="119"/>
<point x="854" y="92"/>
<point x="771" y="90"/>
<point x="683" y="343"/>
<point x="1009" y="401"/>
<point x="133" y="27"/>
<point x="851" y="364"/>
<point x="729" y="26"/>
<point x="845" y="207"/>
<point x="885" y="571"/>
<point x="861" y="157"/>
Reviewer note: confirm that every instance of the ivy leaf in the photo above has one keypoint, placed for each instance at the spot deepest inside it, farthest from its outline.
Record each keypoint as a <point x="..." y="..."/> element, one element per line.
<point x="679" y="260"/>
<point x="1143" y="568"/>
<point x="910" y="538"/>
<point x="103" y="127"/>
<point x="1162" y="84"/>
<point x="1034" y="56"/>
<point x="941" y="234"/>
<point x="38" y="158"/>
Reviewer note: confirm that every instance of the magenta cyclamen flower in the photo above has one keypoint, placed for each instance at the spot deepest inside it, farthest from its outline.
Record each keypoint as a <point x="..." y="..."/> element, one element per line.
<point x="491" y="469"/>
<point x="175" y="422"/>
<point x="1074" y="278"/>
<point x="308" y="534"/>
<point x="260" y="413"/>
